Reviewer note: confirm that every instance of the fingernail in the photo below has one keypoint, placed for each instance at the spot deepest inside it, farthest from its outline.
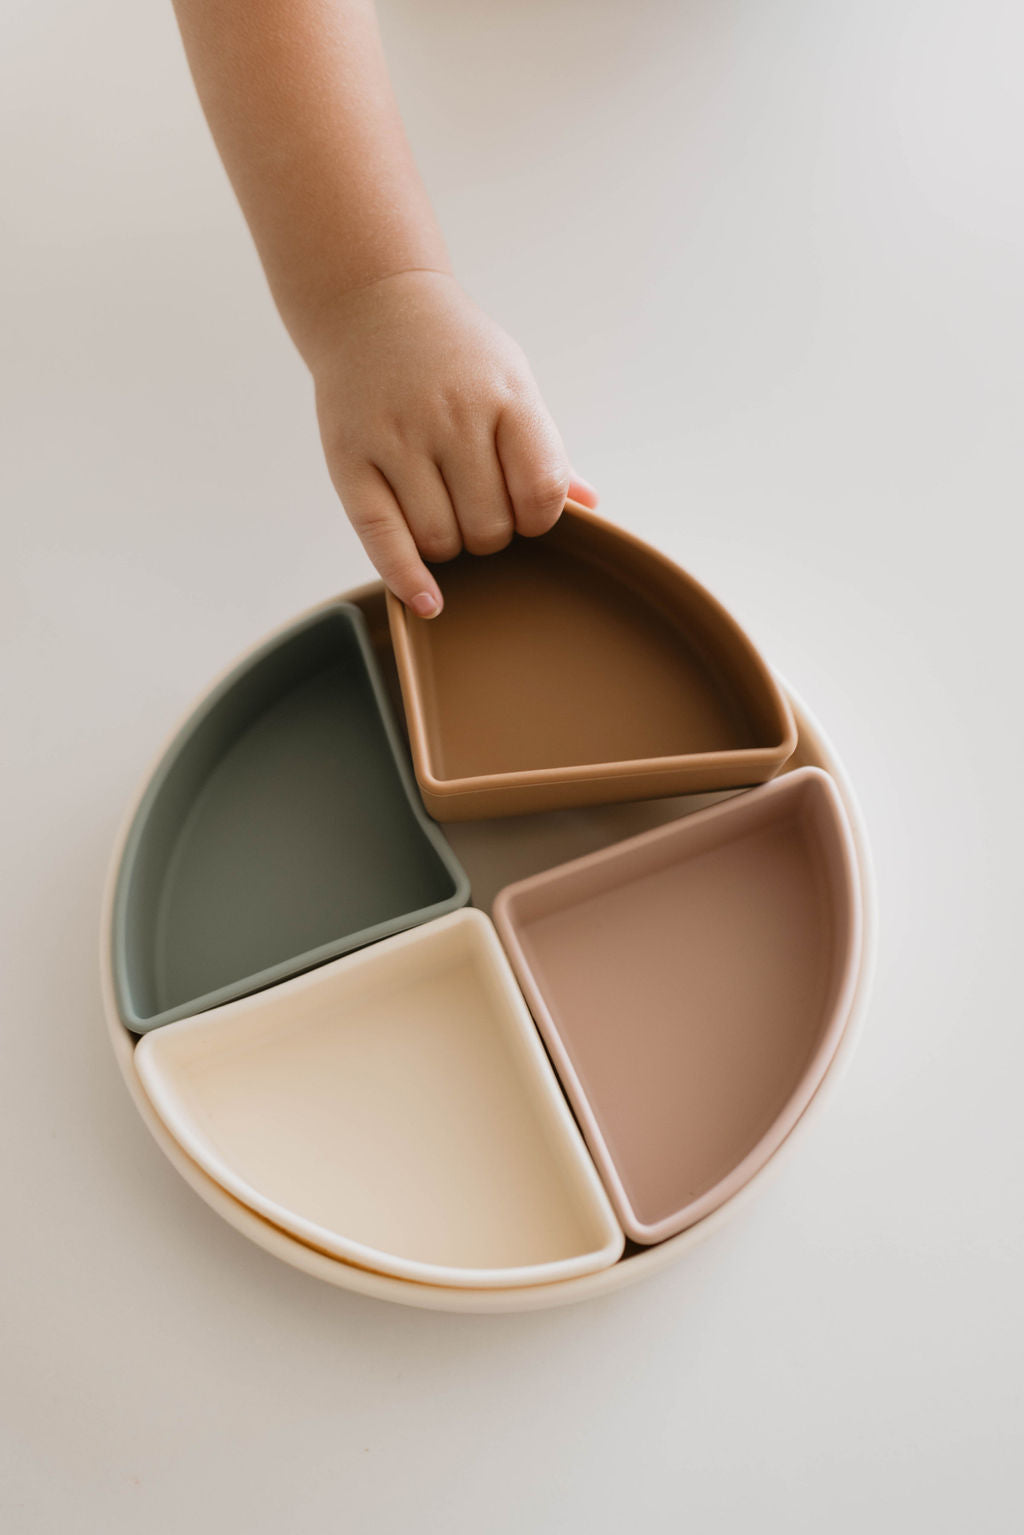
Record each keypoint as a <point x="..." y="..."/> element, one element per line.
<point x="425" y="606"/>
<point x="581" y="489"/>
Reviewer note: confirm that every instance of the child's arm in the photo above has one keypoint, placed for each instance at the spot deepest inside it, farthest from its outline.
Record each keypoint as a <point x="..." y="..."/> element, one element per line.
<point x="435" y="433"/>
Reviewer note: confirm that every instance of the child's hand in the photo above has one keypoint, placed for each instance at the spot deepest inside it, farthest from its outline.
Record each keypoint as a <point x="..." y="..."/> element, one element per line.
<point x="435" y="433"/>
<point x="436" y="436"/>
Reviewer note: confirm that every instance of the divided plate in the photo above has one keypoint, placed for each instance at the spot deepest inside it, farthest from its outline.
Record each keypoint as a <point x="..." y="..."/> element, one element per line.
<point x="395" y="1109"/>
<point x="581" y="668"/>
<point x="496" y="851"/>
<point x="281" y="829"/>
<point x="691" y="986"/>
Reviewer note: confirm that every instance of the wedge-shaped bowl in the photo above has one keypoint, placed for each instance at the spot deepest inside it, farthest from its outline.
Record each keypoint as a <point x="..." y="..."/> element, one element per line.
<point x="581" y="668"/>
<point x="396" y="1109"/>
<point x="281" y="829"/>
<point x="692" y="985"/>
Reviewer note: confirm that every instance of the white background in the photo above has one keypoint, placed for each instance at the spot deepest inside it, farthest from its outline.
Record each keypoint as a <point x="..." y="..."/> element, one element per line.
<point x="766" y="259"/>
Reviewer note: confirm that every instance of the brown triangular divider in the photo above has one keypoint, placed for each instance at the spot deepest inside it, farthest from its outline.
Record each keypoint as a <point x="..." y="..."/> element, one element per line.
<point x="581" y="668"/>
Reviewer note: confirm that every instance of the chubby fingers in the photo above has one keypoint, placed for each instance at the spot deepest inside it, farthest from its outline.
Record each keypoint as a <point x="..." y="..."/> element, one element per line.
<point x="387" y="538"/>
<point x="487" y="487"/>
<point x="535" y="467"/>
<point x="421" y="492"/>
<point x="476" y="485"/>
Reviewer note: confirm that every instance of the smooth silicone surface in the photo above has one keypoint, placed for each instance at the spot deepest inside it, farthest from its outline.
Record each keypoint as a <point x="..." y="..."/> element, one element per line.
<point x="394" y="1108"/>
<point x="553" y="837"/>
<point x="691" y="986"/>
<point x="281" y="829"/>
<point x="581" y="668"/>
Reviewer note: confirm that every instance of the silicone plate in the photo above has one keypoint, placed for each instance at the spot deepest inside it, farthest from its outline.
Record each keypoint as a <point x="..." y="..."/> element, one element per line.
<point x="691" y="986"/>
<point x="281" y="829"/>
<point x="551" y="839"/>
<point x="581" y="668"/>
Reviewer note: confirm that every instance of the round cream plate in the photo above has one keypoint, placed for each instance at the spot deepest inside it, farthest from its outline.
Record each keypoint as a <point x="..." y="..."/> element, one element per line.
<point x="814" y="749"/>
